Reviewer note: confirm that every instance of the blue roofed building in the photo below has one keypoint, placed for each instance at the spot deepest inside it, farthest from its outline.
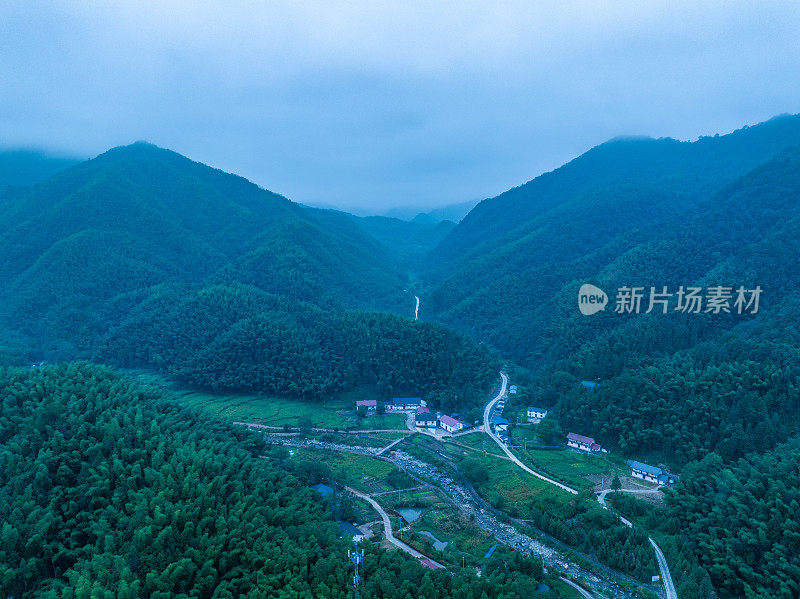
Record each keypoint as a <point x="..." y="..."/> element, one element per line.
<point x="653" y="474"/>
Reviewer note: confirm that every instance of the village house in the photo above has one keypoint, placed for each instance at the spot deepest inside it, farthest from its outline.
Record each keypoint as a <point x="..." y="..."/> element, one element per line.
<point x="371" y="405"/>
<point x="424" y="418"/>
<point x="512" y="389"/>
<point x="500" y="424"/>
<point x="653" y="474"/>
<point x="450" y="424"/>
<point x="350" y="531"/>
<point x="586" y="444"/>
<point x="535" y="415"/>
<point x="404" y="404"/>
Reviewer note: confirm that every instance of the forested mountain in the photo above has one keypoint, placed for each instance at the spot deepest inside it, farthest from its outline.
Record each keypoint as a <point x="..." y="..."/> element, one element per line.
<point x="716" y="394"/>
<point x="451" y="212"/>
<point x="239" y="338"/>
<point x="522" y="297"/>
<point x="409" y="241"/>
<point x="143" y="257"/>
<point x="109" y="491"/>
<point x="687" y="171"/>
<point x="156" y="216"/>
<point x="25" y="167"/>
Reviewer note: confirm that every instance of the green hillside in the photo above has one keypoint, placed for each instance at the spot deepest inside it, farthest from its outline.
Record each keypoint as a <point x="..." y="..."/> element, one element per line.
<point x="108" y="490"/>
<point x="711" y="395"/>
<point x="188" y="222"/>
<point x="20" y="167"/>
<point x="238" y="338"/>
<point x="143" y="257"/>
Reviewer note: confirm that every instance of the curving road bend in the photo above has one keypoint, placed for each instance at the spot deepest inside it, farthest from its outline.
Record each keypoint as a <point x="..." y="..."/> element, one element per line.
<point x="488" y="430"/>
<point x="666" y="577"/>
<point x="387" y="528"/>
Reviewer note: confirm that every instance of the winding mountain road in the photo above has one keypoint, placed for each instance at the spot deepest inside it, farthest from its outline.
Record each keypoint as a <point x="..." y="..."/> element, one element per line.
<point x="487" y="428"/>
<point x="666" y="577"/>
<point x="387" y="529"/>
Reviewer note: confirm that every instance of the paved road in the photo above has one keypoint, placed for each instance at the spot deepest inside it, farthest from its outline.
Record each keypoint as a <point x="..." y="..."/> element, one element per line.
<point x="387" y="528"/>
<point x="471" y="505"/>
<point x="666" y="577"/>
<point x="487" y="411"/>
<point x="352" y="431"/>
<point x="580" y="589"/>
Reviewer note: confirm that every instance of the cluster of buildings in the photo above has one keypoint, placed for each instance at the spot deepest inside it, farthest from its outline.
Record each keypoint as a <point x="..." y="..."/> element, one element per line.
<point x="423" y="417"/>
<point x="652" y="474"/>
<point x="500" y="424"/>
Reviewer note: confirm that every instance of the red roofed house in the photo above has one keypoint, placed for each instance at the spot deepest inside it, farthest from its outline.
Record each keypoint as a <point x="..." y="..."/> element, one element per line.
<point x="580" y="442"/>
<point x="370" y="404"/>
<point x="450" y="424"/>
<point x="424" y="418"/>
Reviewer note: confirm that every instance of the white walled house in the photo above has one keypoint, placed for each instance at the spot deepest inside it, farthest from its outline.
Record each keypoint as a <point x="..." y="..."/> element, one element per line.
<point x="582" y="443"/>
<point x="535" y="415"/>
<point x="424" y="418"/>
<point x="450" y="424"/>
<point x="652" y="474"/>
<point x="404" y="404"/>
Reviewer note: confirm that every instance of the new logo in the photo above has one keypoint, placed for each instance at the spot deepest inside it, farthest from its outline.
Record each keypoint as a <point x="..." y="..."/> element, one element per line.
<point x="591" y="299"/>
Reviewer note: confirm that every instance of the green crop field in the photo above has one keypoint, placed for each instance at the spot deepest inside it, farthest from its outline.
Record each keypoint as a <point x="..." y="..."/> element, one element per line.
<point x="571" y="467"/>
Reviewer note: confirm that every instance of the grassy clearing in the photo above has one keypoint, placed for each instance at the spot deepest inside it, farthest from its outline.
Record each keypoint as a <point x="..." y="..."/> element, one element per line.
<point x="271" y="411"/>
<point x="477" y="441"/>
<point x="441" y="519"/>
<point x="364" y="473"/>
<point x="578" y="470"/>
<point x="336" y="413"/>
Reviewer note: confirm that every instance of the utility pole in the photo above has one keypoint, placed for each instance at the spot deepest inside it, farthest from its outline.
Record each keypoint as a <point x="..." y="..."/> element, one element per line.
<point x="356" y="558"/>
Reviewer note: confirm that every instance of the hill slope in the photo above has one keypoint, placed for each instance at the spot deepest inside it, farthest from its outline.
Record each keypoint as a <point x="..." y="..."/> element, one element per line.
<point x="714" y="395"/>
<point x="179" y="220"/>
<point x="109" y="490"/>
<point x="143" y="257"/>
<point x="27" y="167"/>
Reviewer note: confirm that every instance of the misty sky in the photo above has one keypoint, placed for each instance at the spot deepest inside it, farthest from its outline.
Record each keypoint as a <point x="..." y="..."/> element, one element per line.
<point x="383" y="104"/>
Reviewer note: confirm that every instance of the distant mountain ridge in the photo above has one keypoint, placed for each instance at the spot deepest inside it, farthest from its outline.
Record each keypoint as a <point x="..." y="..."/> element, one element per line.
<point x="20" y="167"/>
<point x="694" y="169"/>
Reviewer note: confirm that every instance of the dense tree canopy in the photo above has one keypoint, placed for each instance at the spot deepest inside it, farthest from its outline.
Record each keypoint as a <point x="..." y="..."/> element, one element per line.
<point x="107" y="491"/>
